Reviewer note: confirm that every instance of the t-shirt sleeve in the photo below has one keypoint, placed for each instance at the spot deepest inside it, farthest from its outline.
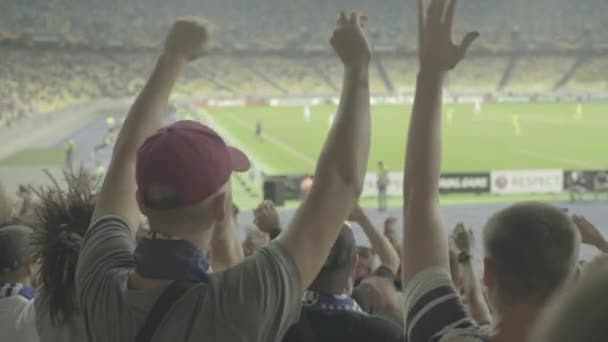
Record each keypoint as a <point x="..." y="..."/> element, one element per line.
<point x="262" y="295"/>
<point x="434" y="312"/>
<point x="108" y="244"/>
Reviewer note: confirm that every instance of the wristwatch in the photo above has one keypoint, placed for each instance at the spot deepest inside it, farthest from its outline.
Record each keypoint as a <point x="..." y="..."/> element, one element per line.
<point x="464" y="257"/>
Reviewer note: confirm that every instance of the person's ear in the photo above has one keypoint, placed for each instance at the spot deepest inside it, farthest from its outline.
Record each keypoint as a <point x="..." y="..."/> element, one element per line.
<point x="489" y="273"/>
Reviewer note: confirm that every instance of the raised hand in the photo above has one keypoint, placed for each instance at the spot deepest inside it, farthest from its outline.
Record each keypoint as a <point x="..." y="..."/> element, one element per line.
<point x="464" y="240"/>
<point x="266" y="217"/>
<point x="349" y="40"/>
<point x="390" y="229"/>
<point x="436" y="51"/>
<point x="188" y="39"/>
<point x="589" y="233"/>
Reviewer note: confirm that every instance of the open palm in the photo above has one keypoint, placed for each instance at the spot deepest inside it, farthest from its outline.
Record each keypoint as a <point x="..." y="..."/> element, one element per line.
<point x="437" y="52"/>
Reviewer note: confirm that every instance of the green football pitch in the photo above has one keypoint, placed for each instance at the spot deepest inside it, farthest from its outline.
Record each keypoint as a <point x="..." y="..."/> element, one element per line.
<point x="501" y="136"/>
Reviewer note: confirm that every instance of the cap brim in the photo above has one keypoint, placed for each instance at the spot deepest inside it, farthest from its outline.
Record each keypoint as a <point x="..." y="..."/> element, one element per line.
<point x="240" y="162"/>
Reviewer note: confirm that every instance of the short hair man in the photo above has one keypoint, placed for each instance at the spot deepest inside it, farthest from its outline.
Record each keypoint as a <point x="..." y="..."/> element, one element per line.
<point x="328" y="311"/>
<point x="181" y="174"/>
<point x="17" y="272"/>
<point x="531" y="248"/>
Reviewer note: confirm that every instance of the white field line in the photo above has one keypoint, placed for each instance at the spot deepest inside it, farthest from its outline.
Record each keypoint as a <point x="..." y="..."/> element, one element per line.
<point x="234" y="141"/>
<point x="276" y="142"/>
<point x="573" y="162"/>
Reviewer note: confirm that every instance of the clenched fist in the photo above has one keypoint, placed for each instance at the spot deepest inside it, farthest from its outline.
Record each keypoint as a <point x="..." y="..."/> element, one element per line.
<point x="188" y="39"/>
<point x="349" y="40"/>
<point x="266" y="217"/>
<point x="464" y="239"/>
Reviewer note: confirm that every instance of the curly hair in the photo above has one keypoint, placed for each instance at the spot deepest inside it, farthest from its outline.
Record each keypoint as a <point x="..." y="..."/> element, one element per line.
<point x="63" y="217"/>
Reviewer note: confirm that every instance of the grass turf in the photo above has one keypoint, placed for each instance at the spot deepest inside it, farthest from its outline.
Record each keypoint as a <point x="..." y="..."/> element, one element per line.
<point x="35" y="156"/>
<point x="550" y="136"/>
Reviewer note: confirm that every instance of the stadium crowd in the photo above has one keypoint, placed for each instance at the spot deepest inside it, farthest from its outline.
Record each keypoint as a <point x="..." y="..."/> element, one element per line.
<point x="154" y="255"/>
<point x="43" y="79"/>
<point x="236" y="21"/>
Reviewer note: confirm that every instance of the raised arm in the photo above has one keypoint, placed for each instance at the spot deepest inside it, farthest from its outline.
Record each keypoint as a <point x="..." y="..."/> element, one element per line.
<point x="464" y="240"/>
<point x="342" y="165"/>
<point x="185" y="42"/>
<point x="226" y="249"/>
<point x="590" y="235"/>
<point x="424" y="238"/>
<point x="380" y="244"/>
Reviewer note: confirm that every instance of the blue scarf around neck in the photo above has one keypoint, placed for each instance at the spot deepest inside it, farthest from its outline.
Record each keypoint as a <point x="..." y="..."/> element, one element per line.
<point x="159" y="256"/>
<point x="16" y="289"/>
<point x="330" y="303"/>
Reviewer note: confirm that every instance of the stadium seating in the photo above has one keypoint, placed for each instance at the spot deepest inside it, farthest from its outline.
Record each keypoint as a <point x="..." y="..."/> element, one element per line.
<point x="538" y="74"/>
<point x="477" y="74"/>
<point x="591" y="77"/>
<point x="402" y="72"/>
<point x="42" y="80"/>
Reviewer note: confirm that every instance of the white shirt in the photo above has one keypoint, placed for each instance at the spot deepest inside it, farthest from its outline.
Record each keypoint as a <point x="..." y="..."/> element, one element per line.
<point x="17" y="319"/>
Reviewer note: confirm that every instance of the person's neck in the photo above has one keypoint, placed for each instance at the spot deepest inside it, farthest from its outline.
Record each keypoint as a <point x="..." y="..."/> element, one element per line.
<point x="516" y="319"/>
<point x="329" y="285"/>
<point x="201" y="238"/>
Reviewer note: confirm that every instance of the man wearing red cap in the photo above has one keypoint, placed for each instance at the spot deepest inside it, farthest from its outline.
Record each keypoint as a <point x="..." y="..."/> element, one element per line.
<point x="163" y="289"/>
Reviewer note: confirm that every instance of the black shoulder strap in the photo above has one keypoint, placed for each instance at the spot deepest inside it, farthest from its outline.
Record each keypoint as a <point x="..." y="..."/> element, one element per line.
<point x="166" y="300"/>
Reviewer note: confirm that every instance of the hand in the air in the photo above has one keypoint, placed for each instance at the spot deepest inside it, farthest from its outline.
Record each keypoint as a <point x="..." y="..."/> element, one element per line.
<point x="464" y="239"/>
<point x="349" y="40"/>
<point x="436" y="51"/>
<point x="589" y="233"/>
<point x="390" y="229"/>
<point x="266" y="217"/>
<point x="188" y="39"/>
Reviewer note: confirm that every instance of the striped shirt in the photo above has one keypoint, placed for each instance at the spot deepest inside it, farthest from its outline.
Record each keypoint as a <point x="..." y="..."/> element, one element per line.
<point x="435" y="313"/>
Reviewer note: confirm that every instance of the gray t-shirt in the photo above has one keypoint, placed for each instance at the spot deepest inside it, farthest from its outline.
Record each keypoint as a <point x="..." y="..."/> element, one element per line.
<point x="49" y="331"/>
<point x="256" y="300"/>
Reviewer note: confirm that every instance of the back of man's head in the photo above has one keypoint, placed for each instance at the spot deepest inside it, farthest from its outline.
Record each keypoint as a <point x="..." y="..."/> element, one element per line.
<point x="533" y="249"/>
<point x="182" y="171"/>
<point x="338" y="265"/>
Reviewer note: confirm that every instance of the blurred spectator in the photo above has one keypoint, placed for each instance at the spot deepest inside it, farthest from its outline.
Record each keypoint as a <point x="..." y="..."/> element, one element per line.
<point x="187" y="200"/>
<point x="328" y="311"/>
<point x="63" y="217"/>
<point x="578" y="315"/>
<point x="531" y="249"/>
<point x="18" y="271"/>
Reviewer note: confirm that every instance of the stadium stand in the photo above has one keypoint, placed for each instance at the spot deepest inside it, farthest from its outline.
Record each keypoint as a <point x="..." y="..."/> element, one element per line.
<point x="531" y="73"/>
<point x="591" y="76"/>
<point x="481" y="74"/>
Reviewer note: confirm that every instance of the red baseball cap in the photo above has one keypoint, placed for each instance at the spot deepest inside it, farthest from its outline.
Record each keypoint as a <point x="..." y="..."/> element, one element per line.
<point x="189" y="158"/>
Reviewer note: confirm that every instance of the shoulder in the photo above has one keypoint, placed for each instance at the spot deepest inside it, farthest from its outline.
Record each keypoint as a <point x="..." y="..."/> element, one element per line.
<point x="433" y="308"/>
<point x="272" y="259"/>
<point x="107" y="248"/>
<point x="109" y="224"/>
